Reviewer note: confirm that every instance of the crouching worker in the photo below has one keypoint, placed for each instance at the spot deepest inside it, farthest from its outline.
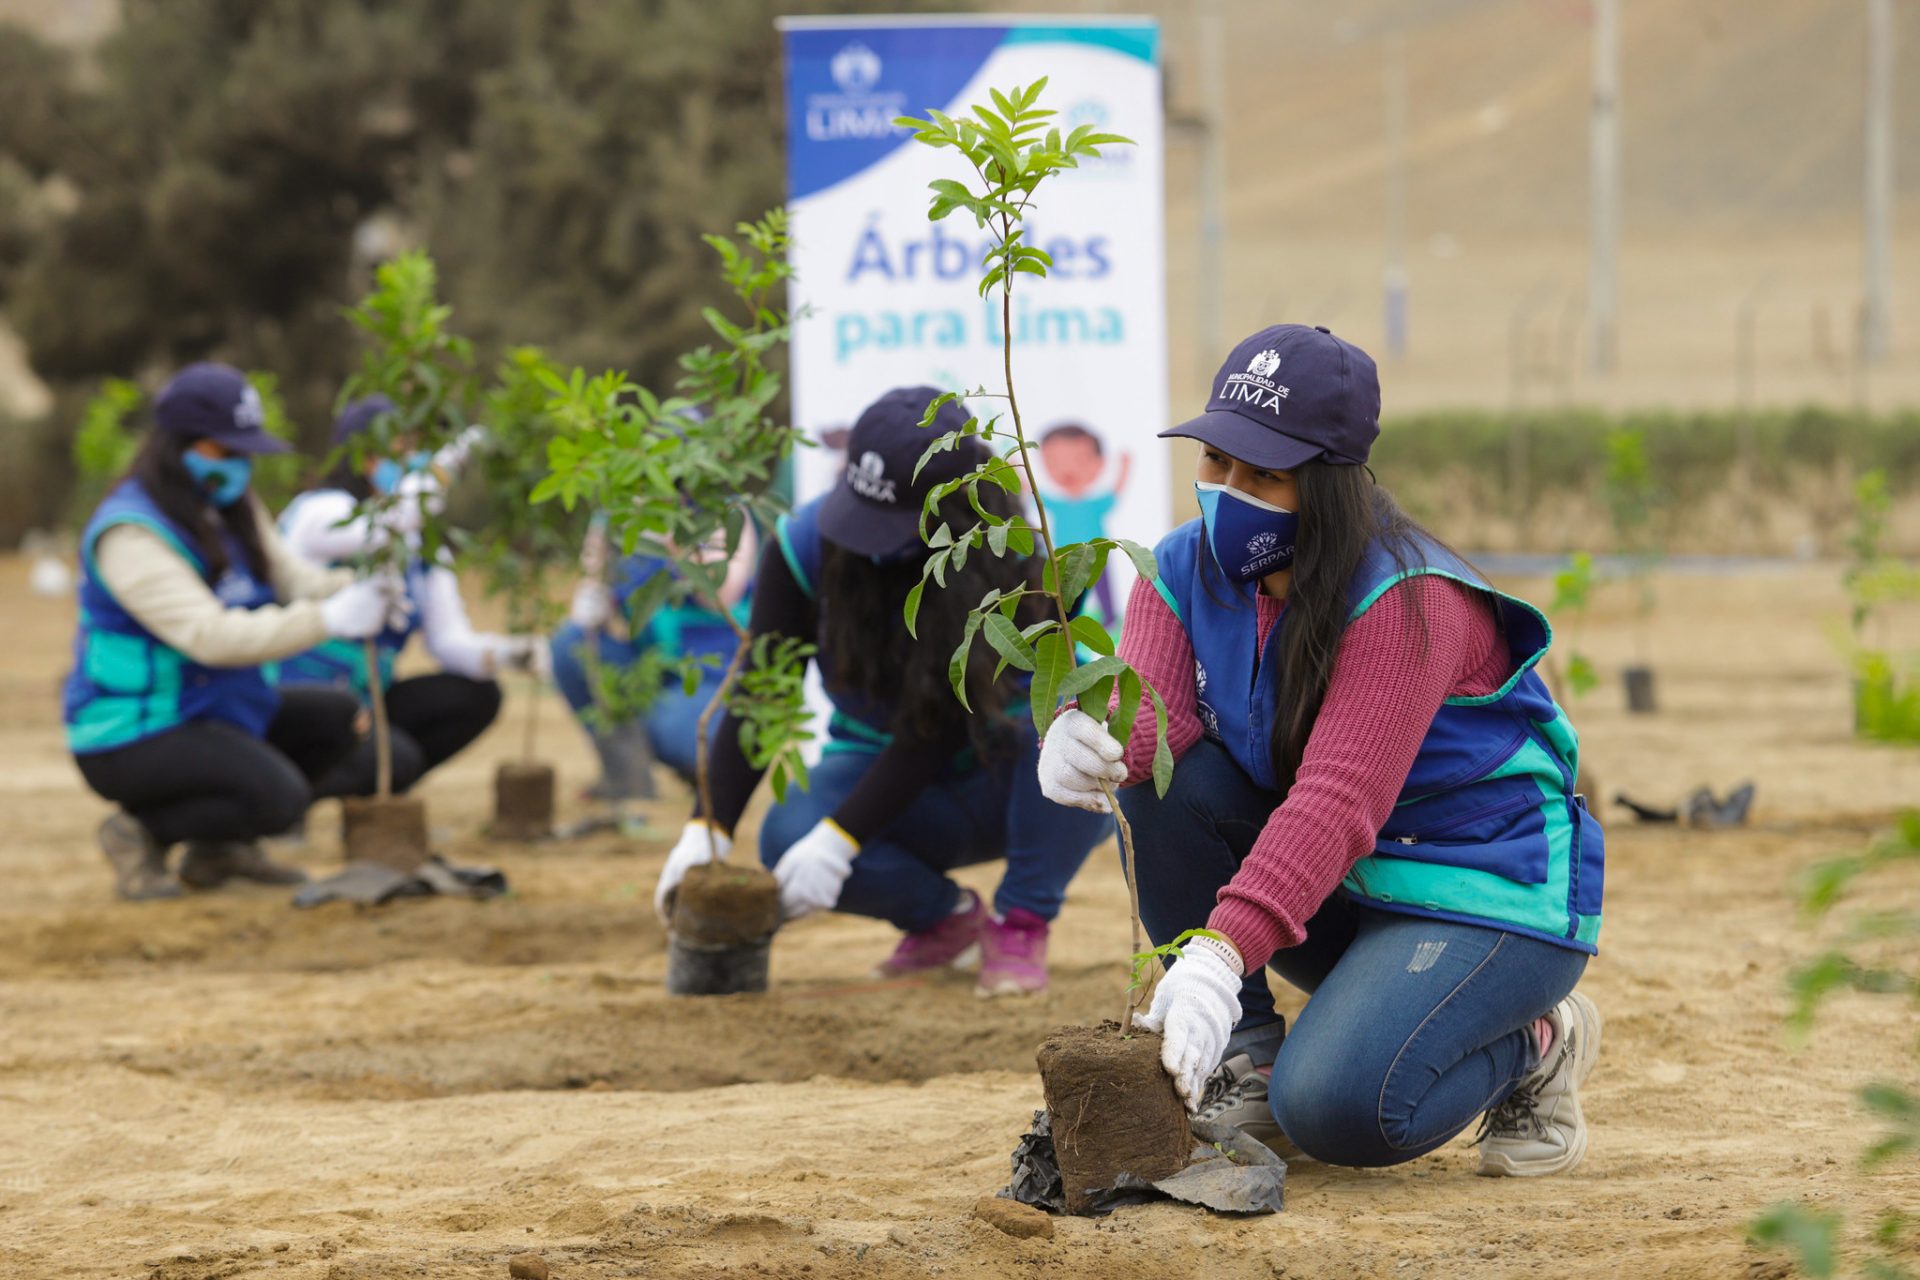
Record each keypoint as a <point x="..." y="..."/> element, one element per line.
<point x="910" y="786"/>
<point x="669" y="729"/>
<point x="431" y="718"/>
<point x="1374" y="798"/>
<point x="187" y="595"/>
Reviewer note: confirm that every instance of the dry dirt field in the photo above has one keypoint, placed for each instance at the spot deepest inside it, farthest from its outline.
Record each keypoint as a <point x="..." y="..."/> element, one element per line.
<point x="224" y="1087"/>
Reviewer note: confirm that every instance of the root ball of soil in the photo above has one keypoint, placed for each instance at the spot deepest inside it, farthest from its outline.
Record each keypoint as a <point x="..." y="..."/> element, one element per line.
<point x="726" y="904"/>
<point x="390" y="830"/>
<point x="527" y="1266"/>
<point x="1114" y="1109"/>
<point x="522" y="801"/>
<point x="1021" y="1221"/>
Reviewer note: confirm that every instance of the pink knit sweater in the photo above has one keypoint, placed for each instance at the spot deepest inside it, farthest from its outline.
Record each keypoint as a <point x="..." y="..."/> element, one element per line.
<point x="1386" y="687"/>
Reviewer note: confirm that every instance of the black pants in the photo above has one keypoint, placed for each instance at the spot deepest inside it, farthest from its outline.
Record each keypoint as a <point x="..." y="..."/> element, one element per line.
<point x="431" y="718"/>
<point x="211" y="781"/>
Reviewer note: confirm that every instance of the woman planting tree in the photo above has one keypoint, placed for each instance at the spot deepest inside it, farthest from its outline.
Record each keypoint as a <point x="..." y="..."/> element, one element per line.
<point x="188" y="593"/>
<point x="431" y="717"/>
<point x="910" y="785"/>
<point x="1374" y="796"/>
<point x="598" y="633"/>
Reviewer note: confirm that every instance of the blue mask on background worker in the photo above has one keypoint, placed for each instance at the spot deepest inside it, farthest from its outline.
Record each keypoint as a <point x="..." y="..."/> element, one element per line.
<point x="223" y="480"/>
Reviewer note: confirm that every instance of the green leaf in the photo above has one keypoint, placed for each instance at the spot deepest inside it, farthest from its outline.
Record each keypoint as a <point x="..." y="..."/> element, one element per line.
<point x="957" y="665"/>
<point x="1809" y="1233"/>
<point x="1053" y="661"/>
<point x="1091" y="634"/>
<point x="1162" y="753"/>
<point x="1125" y="708"/>
<point x="1083" y="678"/>
<point x="1143" y="561"/>
<point x="912" y="610"/>
<point x="1007" y="642"/>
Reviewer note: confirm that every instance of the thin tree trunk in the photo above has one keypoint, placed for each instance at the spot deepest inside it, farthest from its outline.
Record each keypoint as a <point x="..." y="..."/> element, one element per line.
<point x="382" y="743"/>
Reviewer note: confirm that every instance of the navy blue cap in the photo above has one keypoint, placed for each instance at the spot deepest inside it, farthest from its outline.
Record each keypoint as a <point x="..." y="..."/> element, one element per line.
<point x="875" y="509"/>
<point x="1289" y="394"/>
<point x="358" y="416"/>
<point x="216" y="402"/>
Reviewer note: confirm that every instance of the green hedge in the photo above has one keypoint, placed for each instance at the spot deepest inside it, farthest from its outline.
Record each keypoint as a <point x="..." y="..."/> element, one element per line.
<point x="1461" y="465"/>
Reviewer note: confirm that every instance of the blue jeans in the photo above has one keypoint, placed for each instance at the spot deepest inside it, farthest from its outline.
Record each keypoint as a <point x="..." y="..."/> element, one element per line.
<point x="966" y="817"/>
<point x="672" y="724"/>
<point x="1415" y="1026"/>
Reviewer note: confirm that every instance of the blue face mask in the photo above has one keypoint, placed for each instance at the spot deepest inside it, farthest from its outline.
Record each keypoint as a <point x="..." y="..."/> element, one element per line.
<point x="222" y="480"/>
<point x="388" y="473"/>
<point x="1250" y="538"/>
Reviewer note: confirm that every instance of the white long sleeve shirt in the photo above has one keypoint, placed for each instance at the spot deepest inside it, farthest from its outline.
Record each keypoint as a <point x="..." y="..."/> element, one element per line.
<point x="166" y="594"/>
<point x="321" y="528"/>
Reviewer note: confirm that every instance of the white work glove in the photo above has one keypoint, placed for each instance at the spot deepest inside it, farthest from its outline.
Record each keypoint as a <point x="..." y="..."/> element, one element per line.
<point x="696" y="848"/>
<point x="454" y="454"/>
<point x="1194" y="1009"/>
<point x="812" y="871"/>
<point x="1077" y="756"/>
<point x="524" y="653"/>
<point x="592" y="605"/>
<point x="422" y="494"/>
<point x="359" y="610"/>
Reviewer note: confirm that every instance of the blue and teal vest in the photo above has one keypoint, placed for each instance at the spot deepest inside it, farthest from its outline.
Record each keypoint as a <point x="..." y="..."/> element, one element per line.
<point x="126" y="684"/>
<point x="341" y="663"/>
<point x="1487" y="829"/>
<point x="687" y="629"/>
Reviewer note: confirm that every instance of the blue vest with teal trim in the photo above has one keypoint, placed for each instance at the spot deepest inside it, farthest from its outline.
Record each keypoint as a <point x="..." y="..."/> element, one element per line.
<point x="1487" y="829"/>
<point x="680" y="630"/>
<point x="340" y="663"/>
<point x="126" y="684"/>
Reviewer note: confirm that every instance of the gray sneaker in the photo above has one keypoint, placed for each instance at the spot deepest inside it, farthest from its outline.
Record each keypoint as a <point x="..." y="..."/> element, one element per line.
<point x="139" y="862"/>
<point x="208" y="864"/>
<point x="1236" y="1094"/>
<point x="1539" y="1130"/>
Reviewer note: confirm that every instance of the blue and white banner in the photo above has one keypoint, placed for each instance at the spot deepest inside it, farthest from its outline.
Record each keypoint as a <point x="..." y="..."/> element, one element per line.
<point x="888" y="299"/>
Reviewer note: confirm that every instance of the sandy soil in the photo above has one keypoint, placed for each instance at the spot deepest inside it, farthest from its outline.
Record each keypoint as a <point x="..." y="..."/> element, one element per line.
<point x="224" y="1087"/>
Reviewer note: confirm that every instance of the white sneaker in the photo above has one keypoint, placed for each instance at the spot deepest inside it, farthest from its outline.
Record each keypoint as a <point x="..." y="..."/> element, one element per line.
<point x="1539" y="1130"/>
<point x="1236" y="1094"/>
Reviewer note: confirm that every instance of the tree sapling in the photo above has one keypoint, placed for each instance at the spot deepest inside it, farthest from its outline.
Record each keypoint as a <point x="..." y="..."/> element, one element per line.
<point x="1114" y="1109"/>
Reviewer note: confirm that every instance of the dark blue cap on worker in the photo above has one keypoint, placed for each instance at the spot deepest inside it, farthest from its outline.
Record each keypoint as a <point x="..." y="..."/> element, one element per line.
<point x="216" y="402"/>
<point x="358" y="416"/>
<point x="875" y="509"/>
<point x="1290" y="394"/>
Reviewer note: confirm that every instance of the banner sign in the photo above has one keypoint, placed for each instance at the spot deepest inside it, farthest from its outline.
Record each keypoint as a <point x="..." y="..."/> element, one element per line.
<point x="885" y="298"/>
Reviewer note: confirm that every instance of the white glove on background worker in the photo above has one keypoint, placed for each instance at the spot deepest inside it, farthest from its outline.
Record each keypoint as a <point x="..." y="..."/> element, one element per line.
<point x="696" y="847"/>
<point x="1194" y="1010"/>
<point x="365" y="608"/>
<point x="1077" y="756"/>
<point x="813" y="870"/>
<point x="523" y="653"/>
<point x="453" y="455"/>
<point x="592" y="605"/>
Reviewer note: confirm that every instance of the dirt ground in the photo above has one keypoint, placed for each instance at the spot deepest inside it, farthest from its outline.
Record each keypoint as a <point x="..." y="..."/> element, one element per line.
<point x="225" y="1087"/>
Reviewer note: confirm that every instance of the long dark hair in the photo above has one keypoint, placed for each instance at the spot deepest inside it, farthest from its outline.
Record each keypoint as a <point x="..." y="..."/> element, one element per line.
<point x="863" y="634"/>
<point x="160" y="469"/>
<point x="1343" y="514"/>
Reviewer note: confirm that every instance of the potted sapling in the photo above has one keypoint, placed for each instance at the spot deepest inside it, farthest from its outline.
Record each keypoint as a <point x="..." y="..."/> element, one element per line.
<point x="1113" y="1108"/>
<point x="523" y="549"/>
<point x="1631" y="497"/>
<point x="682" y="479"/>
<point x="423" y="368"/>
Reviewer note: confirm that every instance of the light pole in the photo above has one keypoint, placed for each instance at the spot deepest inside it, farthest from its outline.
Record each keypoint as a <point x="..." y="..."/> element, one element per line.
<point x="1876" y="320"/>
<point x="1604" y="169"/>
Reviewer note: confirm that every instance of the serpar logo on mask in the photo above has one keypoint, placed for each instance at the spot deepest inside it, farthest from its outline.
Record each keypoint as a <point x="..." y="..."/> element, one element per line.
<point x="868" y="477"/>
<point x="1264" y="364"/>
<point x="855" y="68"/>
<point x="1261" y="543"/>
<point x="249" y="414"/>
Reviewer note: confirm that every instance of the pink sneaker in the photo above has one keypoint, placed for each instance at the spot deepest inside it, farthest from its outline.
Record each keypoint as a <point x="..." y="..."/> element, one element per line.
<point x="954" y="943"/>
<point x="1013" y="955"/>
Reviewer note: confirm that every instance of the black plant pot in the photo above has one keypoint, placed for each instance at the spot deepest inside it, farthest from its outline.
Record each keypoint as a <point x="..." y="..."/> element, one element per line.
<point x="1640" y="698"/>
